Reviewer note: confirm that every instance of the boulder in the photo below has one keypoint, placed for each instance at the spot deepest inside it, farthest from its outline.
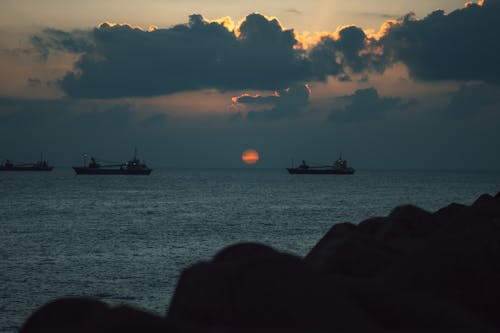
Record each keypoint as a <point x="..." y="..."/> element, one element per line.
<point x="374" y="245"/>
<point x="253" y="286"/>
<point x="449" y="259"/>
<point x="85" y="315"/>
<point x="64" y="315"/>
<point x="346" y="250"/>
<point x="460" y="262"/>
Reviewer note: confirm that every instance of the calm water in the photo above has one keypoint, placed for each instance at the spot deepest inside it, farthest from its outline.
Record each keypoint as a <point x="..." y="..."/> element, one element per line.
<point x="126" y="239"/>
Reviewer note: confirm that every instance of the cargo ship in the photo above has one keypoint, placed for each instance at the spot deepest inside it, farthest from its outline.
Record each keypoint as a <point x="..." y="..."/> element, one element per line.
<point x="133" y="167"/>
<point x="338" y="168"/>
<point x="40" y="165"/>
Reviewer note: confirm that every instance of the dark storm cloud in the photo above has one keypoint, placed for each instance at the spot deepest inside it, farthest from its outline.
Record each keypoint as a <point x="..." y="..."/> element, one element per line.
<point x="470" y="100"/>
<point x="76" y="41"/>
<point x="123" y="61"/>
<point x="380" y="15"/>
<point x="344" y="78"/>
<point x="462" y="45"/>
<point x="65" y="120"/>
<point x="34" y="82"/>
<point x="352" y="51"/>
<point x="155" y="120"/>
<point x="282" y="104"/>
<point x="128" y="61"/>
<point x="366" y="104"/>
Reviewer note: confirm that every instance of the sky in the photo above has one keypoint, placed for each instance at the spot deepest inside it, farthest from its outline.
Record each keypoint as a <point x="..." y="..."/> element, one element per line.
<point x="387" y="84"/>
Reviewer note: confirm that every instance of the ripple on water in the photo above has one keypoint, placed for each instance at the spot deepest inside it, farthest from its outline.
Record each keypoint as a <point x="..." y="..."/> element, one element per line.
<point x="126" y="239"/>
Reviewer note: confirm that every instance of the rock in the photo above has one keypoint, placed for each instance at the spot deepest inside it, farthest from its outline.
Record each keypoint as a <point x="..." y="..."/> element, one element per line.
<point x="450" y="257"/>
<point x="460" y="263"/>
<point x="448" y="213"/>
<point x="399" y="310"/>
<point x="87" y="315"/>
<point x="125" y="319"/>
<point x="249" y="252"/>
<point x="409" y="222"/>
<point x="405" y="226"/>
<point x="254" y="286"/>
<point x="374" y="245"/>
<point x="484" y="199"/>
<point x="347" y="251"/>
<point x="64" y="315"/>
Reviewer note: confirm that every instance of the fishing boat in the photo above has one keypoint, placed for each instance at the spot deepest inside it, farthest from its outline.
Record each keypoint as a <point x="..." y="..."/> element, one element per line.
<point x="133" y="167"/>
<point x="40" y="165"/>
<point x="338" y="168"/>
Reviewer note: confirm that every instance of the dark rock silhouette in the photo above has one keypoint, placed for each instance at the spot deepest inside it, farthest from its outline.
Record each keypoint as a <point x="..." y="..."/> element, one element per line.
<point x="64" y="315"/>
<point x="87" y="315"/>
<point x="254" y="286"/>
<point x="450" y="257"/>
<point x="412" y="271"/>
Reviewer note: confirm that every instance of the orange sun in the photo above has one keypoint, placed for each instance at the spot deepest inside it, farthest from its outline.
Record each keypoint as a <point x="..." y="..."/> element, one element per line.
<point x="250" y="156"/>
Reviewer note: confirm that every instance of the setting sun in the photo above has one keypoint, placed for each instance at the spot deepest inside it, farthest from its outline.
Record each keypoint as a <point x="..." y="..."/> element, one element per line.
<point x="250" y="156"/>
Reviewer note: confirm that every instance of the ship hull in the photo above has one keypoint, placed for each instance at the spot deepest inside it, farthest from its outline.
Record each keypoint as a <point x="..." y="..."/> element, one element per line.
<point x="103" y="171"/>
<point x="18" y="168"/>
<point x="298" y="171"/>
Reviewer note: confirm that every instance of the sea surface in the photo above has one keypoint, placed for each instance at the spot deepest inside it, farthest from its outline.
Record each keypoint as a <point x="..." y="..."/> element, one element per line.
<point x="126" y="239"/>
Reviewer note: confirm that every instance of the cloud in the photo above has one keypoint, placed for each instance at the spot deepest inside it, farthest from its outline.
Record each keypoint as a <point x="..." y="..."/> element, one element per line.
<point x="64" y="129"/>
<point x="293" y="11"/>
<point x="124" y="61"/>
<point x="49" y="39"/>
<point x="380" y="15"/>
<point x="119" y="60"/>
<point x="65" y="120"/>
<point x="34" y="82"/>
<point x="366" y="104"/>
<point x="348" y="50"/>
<point x="284" y="103"/>
<point x="474" y="99"/>
<point x="462" y="45"/>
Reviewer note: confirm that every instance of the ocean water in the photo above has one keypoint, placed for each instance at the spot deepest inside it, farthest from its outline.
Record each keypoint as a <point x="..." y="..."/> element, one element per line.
<point x="126" y="239"/>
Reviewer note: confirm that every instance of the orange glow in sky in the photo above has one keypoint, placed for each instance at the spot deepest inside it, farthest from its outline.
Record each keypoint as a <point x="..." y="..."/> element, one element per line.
<point x="250" y="156"/>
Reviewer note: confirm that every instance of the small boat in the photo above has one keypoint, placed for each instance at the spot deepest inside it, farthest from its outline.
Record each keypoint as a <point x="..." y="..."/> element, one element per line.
<point x="338" y="168"/>
<point x="132" y="167"/>
<point x="40" y="165"/>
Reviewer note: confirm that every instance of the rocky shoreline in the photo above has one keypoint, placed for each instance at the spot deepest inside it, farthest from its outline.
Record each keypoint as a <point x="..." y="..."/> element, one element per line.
<point x="412" y="271"/>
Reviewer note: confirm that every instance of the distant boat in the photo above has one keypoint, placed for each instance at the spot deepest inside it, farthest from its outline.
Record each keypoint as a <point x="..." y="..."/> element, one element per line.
<point x="132" y="167"/>
<point x="40" y="165"/>
<point x="338" y="168"/>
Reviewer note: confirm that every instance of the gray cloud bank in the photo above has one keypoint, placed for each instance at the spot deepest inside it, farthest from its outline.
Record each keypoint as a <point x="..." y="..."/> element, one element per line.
<point x="366" y="104"/>
<point x="462" y="45"/>
<point x="284" y="103"/>
<point x="64" y="129"/>
<point x="123" y="61"/>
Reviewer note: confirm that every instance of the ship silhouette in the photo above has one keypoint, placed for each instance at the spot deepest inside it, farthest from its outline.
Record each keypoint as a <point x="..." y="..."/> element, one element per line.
<point x="338" y="168"/>
<point x="133" y="167"/>
<point x="40" y="165"/>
